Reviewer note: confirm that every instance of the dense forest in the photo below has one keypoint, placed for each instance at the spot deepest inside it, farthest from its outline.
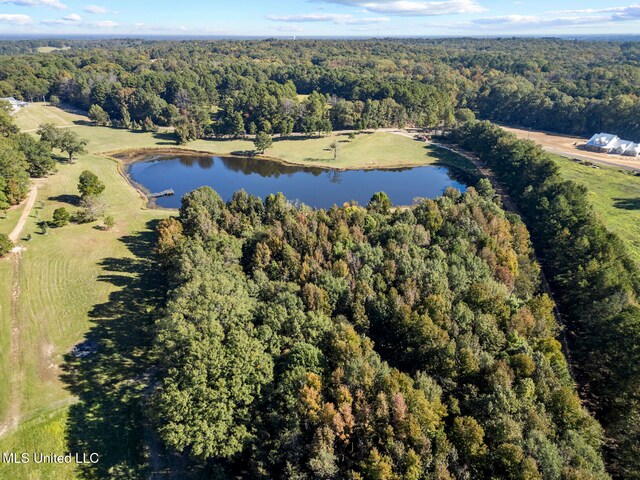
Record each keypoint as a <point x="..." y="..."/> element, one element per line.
<point x="237" y="87"/>
<point x="363" y="343"/>
<point x="596" y="283"/>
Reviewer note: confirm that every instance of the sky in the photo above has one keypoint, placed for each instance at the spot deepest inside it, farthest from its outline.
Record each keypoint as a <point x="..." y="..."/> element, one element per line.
<point x="301" y="18"/>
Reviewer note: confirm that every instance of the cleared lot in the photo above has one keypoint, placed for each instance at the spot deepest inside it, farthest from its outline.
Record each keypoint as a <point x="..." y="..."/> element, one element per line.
<point x="570" y="147"/>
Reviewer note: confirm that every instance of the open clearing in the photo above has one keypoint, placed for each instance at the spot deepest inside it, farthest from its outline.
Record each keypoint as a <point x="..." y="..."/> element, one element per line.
<point x="566" y="146"/>
<point x="368" y="150"/>
<point x="32" y="116"/>
<point x="615" y="196"/>
<point x="51" y="49"/>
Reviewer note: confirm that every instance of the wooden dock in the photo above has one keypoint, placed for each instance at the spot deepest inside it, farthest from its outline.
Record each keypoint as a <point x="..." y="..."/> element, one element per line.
<point x="164" y="193"/>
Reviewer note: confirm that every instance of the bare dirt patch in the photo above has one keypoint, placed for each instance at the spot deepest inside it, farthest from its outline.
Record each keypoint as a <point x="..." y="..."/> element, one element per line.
<point x="573" y="147"/>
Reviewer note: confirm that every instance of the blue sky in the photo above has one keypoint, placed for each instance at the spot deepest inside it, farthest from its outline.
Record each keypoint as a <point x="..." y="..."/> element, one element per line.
<point x="319" y="17"/>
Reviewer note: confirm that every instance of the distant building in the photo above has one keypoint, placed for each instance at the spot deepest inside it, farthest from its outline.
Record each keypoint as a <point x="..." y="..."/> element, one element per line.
<point x="632" y="150"/>
<point x="608" y="143"/>
<point x="623" y="147"/>
<point x="603" y="142"/>
<point x="16" y="105"/>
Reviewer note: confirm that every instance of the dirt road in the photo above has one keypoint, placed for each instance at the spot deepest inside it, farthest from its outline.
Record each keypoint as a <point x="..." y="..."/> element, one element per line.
<point x="30" y="202"/>
<point x="568" y="146"/>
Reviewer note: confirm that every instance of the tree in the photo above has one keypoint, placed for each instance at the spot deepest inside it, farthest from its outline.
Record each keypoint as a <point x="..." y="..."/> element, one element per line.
<point x="54" y="101"/>
<point x="237" y="125"/>
<point x="37" y="154"/>
<point x="90" y="209"/>
<point x="6" y="245"/>
<point x="7" y="126"/>
<point x="109" y="222"/>
<point x="380" y="203"/>
<point x="61" y="217"/>
<point x="184" y="130"/>
<point x="90" y="185"/>
<point x="149" y="126"/>
<point x="262" y="142"/>
<point x="334" y="147"/>
<point x="98" y="116"/>
<point x="48" y="134"/>
<point x="71" y="143"/>
<point x="464" y="115"/>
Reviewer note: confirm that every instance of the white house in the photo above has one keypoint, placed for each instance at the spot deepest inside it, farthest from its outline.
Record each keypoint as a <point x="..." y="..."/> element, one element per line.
<point x="632" y="150"/>
<point x="15" y="104"/>
<point x="603" y="142"/>
<point x="623" y="147"/>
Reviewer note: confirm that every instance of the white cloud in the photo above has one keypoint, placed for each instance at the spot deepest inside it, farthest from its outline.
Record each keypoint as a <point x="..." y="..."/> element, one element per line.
<point x="37" y="3"/>
<point x="412" y="7"/>
<point x="74" y="17"/>
<point x="535" y="20"/>
<point x="15" y="19"/>
<point x="290" y="28"/>
<point x="74" y="20"/>
<point x="105" y="24"/>
<point x="564" y="18"/>
<point x="339" y="19"/>
<point x="96" y="9"/>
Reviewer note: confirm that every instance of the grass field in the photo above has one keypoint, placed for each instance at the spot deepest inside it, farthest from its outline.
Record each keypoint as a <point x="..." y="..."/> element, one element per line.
<point x="68" y="282"/>
<point x="8" y="222"/>
<point x="50" y="49"/>
<point x="615" y="196"/>
<point x="32" y="116"/>
<point x="80" y="282"/>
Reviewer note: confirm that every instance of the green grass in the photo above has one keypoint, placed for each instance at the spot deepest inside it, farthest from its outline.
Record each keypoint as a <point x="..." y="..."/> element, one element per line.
<point x="6" y="275"/>
<point x="615" y="196"/>
<point x="62" y="280"/>
<point x="45" y="433"/>
<point x="8" y="222"/>
<point x="35" y="114"/>
<point x="50" y="49"/>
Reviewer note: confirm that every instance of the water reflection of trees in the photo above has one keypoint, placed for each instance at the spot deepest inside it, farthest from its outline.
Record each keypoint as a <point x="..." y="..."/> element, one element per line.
<point x="335" y="176"/>
<point x="247" y="165"/>
<point x="203" y="162"/>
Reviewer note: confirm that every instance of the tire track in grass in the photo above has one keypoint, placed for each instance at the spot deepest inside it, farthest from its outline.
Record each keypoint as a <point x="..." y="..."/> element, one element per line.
<point x="12" y="419"/>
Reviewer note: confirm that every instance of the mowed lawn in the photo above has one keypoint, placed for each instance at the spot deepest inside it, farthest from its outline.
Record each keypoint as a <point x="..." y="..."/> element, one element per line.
<point x="35" y="114"/>
<point x="615" y="196"/>
<point x="59" y="284"/>
<point x="61" y="279"/>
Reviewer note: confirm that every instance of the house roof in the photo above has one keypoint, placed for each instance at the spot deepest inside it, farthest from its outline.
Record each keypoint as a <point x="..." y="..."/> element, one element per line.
<point x="603" y="139"/>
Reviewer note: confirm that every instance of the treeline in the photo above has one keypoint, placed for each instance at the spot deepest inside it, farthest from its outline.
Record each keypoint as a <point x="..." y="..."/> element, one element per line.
<point x="362" y="343"/>
<point x="229" y="87"/>
<point x="516" y="100"/>
<point x="22" y="156"/>
<point x="596" y="283"/>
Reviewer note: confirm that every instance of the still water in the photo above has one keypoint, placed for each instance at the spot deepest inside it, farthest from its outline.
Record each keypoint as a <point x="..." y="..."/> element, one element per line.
<point x="315" y="187"/>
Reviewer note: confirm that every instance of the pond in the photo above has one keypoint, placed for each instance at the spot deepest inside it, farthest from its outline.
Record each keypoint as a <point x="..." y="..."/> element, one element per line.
<point x="316" y="187"/>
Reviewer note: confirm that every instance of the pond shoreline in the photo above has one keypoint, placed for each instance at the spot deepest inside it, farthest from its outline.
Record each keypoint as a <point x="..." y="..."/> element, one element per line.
<point x="125" y="158"/>
<point x="134" y="155"/>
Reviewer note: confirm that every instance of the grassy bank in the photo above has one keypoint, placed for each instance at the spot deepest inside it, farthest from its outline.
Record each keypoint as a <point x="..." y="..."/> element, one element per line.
<point x="615" y="196"/>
